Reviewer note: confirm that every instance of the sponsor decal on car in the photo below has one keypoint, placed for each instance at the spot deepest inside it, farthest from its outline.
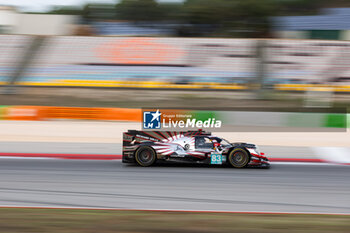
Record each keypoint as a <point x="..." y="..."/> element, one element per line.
<point x="216" y="158"/>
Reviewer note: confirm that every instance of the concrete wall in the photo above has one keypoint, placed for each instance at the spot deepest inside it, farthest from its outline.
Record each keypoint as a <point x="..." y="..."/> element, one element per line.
<point x="345" y="35"/>
<point x="284" y="119"/>
<point x="292" y="34"/>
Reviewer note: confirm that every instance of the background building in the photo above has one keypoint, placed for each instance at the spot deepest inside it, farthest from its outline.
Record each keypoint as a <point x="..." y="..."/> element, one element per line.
<point x="331" y="24"/>
<point x="14" y="22"/>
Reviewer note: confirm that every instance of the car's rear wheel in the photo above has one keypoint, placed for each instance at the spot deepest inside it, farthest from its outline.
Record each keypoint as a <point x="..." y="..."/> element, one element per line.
<point x="145" y="156"/>
<point x="238" y="158"/>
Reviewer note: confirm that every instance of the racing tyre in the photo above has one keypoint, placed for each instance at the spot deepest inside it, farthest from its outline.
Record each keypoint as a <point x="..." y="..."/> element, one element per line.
<point x="145" y="156"/>
<point x="238" y="158"/>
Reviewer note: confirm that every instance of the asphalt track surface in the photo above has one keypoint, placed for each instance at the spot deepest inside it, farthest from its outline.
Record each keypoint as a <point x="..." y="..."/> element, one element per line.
<point x="312" y="188"/>
<point x="116" y="149"/>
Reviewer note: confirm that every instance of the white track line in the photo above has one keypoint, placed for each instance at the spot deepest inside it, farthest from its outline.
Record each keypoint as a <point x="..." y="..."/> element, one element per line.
<point x="333" y="154"/>
<point x="308" y="163"/>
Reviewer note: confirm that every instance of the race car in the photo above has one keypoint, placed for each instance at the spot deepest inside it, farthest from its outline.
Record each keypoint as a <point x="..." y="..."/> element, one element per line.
<point x="147" y="147"/>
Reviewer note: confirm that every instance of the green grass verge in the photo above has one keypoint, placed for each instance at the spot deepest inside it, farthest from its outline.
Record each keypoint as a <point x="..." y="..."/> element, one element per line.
<point x="2" y="111"/>
<point x="68" y="220"/>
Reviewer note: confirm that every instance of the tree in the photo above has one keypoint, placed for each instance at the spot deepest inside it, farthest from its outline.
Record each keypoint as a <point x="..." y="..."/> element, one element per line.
<point x="139" y="10"/>
<point x="238" y="18"/>
<point x="207" y="11"/>
<point x="252" y="17"/>
<point x="300" y="7"/>
<point x="171" y="11"/>
<point x="66" y="10"/>
<point x="94" y="11"/>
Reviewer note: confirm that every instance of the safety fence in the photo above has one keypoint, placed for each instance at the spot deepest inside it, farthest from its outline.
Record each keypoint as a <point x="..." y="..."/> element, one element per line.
<point x="72" y="113"/>
<point x="187" y="63"/>
<point x="235" y="118"/>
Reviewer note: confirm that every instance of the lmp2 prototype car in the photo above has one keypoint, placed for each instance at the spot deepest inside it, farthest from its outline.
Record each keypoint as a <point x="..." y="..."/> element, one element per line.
<point x="146" y="147"/>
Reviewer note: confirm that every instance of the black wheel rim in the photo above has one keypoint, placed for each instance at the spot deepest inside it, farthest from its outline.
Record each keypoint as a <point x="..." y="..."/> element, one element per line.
<point x="145" y="156"/>
<point x="239" y="158"/>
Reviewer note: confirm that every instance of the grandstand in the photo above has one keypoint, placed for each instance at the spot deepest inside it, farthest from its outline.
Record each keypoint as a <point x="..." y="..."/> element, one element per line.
<point x="161" y="62"/>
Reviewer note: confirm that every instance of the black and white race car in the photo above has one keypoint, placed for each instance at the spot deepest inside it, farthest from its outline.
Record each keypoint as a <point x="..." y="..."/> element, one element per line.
<point x="147" y="147"/>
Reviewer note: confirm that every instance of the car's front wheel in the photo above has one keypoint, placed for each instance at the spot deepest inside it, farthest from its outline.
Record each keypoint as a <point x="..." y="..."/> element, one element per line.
<point x="145" y="156"/>
<point x="238" y="158"/>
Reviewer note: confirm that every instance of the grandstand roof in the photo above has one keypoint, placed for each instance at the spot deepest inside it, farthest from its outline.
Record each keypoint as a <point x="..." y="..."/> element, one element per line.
<point x="128" y="29"/>
<point x="330" y="19"/>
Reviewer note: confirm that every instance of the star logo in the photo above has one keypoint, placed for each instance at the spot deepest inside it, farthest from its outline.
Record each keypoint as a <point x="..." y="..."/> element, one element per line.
<point x="156" y="115"/>
<point x="152" y="119"/>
